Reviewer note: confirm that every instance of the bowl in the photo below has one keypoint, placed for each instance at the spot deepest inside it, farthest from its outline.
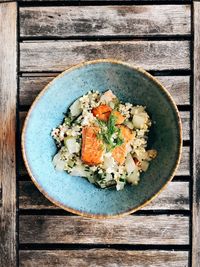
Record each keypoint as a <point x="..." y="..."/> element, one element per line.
<point x="130" y="84"/>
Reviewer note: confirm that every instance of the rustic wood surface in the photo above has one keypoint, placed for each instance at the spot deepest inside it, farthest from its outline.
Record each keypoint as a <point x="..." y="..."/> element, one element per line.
<point x="161" y="229"/>
<point x="196" y="143"/>
<point x="152" y="34"/>
<point x="151" y="55"/>
<point x="185" y="118"/>
<point x="174" y="197"/>
<point x="178" y="86"/>
<point x="8" y="90"/>
<point x="183" y="169"/>
<point x="67" y="21"/>
<point x="103" y="258"/>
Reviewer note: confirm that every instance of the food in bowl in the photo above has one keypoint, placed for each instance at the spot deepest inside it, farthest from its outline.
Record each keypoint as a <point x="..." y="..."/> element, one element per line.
<point x="104" y="140"/>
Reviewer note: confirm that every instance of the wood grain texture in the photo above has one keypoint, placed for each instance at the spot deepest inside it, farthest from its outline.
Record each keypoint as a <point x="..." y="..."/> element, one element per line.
<point x="103" y="258"/>
<point x="178" y="87"/>
<point x="196" y="143"/>
<point x="183" y="169"/>
<point x="161" y="229"/>
<point x="185" y="118"/>
<point x="174" y="197"/>
<point x="8" y="89"/>
<point x="69" y="21"/>
<point x="151" y="55"/>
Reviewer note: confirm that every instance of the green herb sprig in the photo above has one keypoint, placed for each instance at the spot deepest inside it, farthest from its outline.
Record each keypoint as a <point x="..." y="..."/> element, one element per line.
<point x="107" y="130"/>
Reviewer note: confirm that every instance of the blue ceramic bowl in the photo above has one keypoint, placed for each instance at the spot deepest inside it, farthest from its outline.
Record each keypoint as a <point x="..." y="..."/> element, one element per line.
<point x="130" y="84"/>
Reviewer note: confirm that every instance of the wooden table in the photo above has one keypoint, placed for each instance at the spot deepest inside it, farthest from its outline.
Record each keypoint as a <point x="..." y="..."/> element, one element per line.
<point x="38" y="40"/>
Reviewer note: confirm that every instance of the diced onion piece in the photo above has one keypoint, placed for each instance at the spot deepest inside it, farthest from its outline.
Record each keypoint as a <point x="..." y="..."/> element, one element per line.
<point x="141" y="154"/>
<point x="58" y="163"/>
<point x="130" y="164"/>
<point x="144" y="165"/>
<point x="108" y="177"/>
<point x="120" y="185"/>
<point x="109" y="162"/>
<point x="75" y="108"/>
<point x="129" y="124"/>
<point x="139" y="121"/>
<point x="107" y="97"/>
<point x="72" y="145"/>
<point x="79" y="170"/>
<point x="128" y="148"/>
<point x="134" y="177"/>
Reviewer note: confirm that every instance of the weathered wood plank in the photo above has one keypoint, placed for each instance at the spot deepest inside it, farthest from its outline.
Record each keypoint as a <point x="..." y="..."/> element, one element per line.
<point x="151" y="55"/>
<point x="185" y="118"/>
<point x="103" y="258"/>
<point x="174" y="197"/>
<point x="178" y="86"/>
<point x="67" y="21"/>
<point x="196" y="144"/>
<point x="161" y="229"/>
<point x="8" y="89"/>
<point x="183" y="169"/>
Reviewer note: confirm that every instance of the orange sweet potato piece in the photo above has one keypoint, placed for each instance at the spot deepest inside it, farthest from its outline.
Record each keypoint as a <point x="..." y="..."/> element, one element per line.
<point x="92" y="146"/>
<point x="102" y="112"/>
<point x="119" y="116"/>
<point x="119" y="153"/>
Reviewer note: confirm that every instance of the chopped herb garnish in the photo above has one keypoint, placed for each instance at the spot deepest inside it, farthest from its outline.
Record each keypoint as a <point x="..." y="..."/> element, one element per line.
<point x="109" y="133"/>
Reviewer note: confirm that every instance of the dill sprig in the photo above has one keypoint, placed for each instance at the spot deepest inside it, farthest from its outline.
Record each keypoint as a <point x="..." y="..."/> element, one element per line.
<point x="109" y="133"/>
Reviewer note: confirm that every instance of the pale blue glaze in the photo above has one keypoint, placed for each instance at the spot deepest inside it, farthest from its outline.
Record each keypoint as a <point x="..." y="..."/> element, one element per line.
<point x="130" y="86"/>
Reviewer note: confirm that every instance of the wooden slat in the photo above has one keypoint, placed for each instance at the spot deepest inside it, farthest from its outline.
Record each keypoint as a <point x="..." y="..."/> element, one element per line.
<point x="174" y="197"/>
<point x="196" y="143"/>
<point x="183" y="169"/>
<point x="67" y="21"/>
<point x="185" y="118"/>
<point x="161" y="229"/>
<point x="103" y="258"/>
<point x="151" y="55"/>
<point x="178" y="86"/>
<point x="8" y="89"/>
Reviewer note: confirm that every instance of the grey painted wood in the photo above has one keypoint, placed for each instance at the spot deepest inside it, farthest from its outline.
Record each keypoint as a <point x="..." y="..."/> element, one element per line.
<point x="178" y="86"/>
<point x="136" y="20"/>
<point x="8" y="89"/>
<point x="174" y="197"/>
<point x="160" y="229"/>
<point x="196" y="142"/>
<point x="103" y="258"/>
<point x="59" y="55"/>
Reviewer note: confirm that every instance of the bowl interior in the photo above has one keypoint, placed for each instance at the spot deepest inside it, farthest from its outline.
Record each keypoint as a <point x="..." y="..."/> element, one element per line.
<point x="76" y="193"/>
